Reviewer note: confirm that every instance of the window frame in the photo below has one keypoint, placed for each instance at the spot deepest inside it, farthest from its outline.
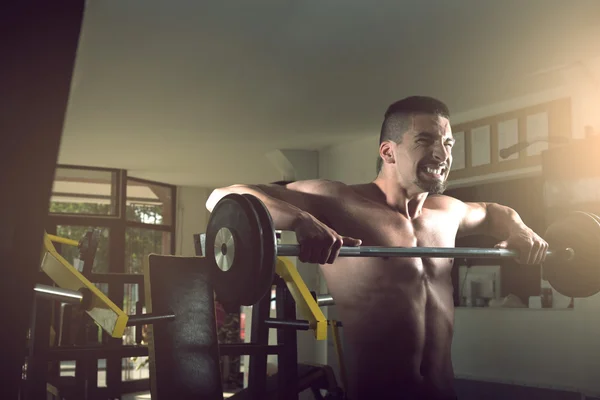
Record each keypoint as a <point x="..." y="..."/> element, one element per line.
<point x="117" y="224"/>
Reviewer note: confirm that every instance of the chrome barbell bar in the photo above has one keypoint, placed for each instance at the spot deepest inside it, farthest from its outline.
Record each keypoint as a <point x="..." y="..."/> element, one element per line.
<point x="291" y="250"/>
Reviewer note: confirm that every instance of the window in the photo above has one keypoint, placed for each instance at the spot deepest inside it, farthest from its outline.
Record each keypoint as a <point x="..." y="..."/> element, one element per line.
<point x="83" y="191"/>
<point x="134" y="218"/>
<point x="150" y="227"/>
<point x="149" y="203"/>
<point x="139" y="243"/>
<point x="71" y="253"/>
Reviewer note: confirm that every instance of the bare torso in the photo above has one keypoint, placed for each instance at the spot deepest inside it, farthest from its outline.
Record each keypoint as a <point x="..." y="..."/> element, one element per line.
<point x="397" y="312"/>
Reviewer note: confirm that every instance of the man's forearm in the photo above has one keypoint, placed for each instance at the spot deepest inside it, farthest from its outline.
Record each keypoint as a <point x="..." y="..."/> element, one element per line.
<point x="285" y="215"/>
<point x="502" y="220"/>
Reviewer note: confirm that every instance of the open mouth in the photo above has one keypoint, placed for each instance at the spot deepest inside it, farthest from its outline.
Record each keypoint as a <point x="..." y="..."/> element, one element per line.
<point x="435" y="172"/>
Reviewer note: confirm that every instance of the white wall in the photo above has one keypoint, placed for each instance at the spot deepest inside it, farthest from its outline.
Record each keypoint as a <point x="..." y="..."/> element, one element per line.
<point x="549" y="348"/>
<point x="354" y="162"/>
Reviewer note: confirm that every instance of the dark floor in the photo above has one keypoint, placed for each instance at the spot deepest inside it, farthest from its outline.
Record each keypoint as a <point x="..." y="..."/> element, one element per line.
<point x="477" y="390"/>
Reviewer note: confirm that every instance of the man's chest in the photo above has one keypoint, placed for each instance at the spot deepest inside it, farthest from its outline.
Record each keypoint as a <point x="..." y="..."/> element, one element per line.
<point x="376" y="226"/>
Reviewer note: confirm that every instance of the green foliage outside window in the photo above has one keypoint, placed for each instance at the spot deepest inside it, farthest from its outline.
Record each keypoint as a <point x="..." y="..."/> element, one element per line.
<point x="139" y="242"/>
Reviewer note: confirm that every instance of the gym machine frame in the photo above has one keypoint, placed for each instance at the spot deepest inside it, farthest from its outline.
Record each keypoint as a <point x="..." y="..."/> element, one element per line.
<point x="76" y="290"/>
<point x="290" y="293"/>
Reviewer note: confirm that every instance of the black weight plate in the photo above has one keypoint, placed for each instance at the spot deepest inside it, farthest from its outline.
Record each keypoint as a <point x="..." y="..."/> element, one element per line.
<point x="233" y="222"/>
<point x="579" y="277"/>
<point x="253" y="295"/>
<point x="264" y="280"/>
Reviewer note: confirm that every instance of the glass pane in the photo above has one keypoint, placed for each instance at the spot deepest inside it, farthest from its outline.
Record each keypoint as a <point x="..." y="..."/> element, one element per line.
<point x="149" y="203"/>
<point x="139" y="243"/>
<point x="102" y="372"/>
<point x="135" y="368"/>
<point x="83" y="191"/>
<point x="71" y="253"/>
<point x="131" y="297"/>
<point x="67" y="368"/>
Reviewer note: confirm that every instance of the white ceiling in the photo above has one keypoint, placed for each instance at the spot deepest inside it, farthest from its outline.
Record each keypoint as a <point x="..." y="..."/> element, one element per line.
<point x="197" y="92"/>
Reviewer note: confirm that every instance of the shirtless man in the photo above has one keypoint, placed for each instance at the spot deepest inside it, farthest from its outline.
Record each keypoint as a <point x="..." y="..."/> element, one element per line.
<point x="397" y="312"/>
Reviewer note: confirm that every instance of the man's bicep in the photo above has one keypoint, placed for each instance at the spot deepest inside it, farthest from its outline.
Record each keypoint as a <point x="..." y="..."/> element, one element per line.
<point x="305" y="195"/>
<point x="296" y="198"/>
<point x="473" y="220"/>
<point x="264" y="192"/>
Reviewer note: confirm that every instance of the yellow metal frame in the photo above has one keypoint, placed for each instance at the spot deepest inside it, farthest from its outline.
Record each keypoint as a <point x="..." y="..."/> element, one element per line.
<point x="102" y="310"/>
<point x="310" y="310"/>
<point x="306" y="303"/>
<point x="59" y="239"/>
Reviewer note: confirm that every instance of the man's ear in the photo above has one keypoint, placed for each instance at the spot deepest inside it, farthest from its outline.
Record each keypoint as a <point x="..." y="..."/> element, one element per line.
<point x="386" y="152"/>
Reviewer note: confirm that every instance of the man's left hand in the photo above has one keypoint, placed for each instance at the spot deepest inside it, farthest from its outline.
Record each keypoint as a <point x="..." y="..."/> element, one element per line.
<point x="531" y="247"/>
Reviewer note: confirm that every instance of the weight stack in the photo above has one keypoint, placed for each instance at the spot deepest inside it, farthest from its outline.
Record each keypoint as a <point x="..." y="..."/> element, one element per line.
<point x="184" y="353"/>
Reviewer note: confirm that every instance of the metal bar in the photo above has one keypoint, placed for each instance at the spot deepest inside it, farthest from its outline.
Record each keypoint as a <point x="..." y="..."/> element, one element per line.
<point x="287" y="362"/>
<point x="324" y="300"/>
<point x="259" y="335"/>
<point x="143" y="319"/>
<point x="428" y="252"/>
<point x="102" y="309"/>
<point x="282" y="323"/>
<point x="58" y="239"/>
<point x="305" y="302"/>
<point x="55" y="293"/>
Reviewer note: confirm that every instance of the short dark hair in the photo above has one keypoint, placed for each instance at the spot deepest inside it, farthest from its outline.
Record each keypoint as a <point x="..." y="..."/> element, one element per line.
<point x="397" y="117"/>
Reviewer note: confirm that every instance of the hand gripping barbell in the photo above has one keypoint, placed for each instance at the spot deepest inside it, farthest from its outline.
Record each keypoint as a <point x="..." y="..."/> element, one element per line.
<point x="241" y="249"/>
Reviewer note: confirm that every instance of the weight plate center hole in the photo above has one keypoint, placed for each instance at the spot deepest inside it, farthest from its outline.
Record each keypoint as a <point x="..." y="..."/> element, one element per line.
<point x="224" y="249"/>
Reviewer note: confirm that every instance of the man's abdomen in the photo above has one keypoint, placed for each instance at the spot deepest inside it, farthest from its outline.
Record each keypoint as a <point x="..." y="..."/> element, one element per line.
<point x="397" y="326"/>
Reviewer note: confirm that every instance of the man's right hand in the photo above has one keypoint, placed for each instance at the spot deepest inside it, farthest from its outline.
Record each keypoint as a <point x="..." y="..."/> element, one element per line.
<point x="319" y="244"/>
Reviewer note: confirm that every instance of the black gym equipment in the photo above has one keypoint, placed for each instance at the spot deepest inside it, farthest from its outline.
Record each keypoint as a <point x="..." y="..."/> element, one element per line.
<point x="61" y="330"/>
<point x="241" y="221"/>
<point x="185" y="353"/>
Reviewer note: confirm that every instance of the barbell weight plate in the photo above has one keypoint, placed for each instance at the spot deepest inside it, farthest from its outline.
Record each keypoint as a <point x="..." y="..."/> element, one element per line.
<point x="579" y="277"/>
<point x="234" y="248"/>
<point x="264" y="279"/>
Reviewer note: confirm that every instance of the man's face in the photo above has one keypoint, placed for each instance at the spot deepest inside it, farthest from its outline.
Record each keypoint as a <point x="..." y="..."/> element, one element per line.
<point x="424" y="155"/>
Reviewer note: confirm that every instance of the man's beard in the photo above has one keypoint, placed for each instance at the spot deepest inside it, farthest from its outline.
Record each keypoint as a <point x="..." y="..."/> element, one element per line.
<point x="432" y="187"/>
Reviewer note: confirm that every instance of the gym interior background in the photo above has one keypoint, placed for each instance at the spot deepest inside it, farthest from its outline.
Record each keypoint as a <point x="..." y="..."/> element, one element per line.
<point x="144" y="107"/>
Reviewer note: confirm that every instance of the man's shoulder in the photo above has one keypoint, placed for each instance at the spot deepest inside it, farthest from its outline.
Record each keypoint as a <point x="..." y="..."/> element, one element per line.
<point x="318" y="186"/>
<point x="444" y="202"/>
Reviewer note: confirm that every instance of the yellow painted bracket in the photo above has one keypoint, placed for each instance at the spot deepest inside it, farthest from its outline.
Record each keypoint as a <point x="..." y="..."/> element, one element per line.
<point x="101" y="309"/>
<point x="59" y="239"/>
<point x="306" y="303"/>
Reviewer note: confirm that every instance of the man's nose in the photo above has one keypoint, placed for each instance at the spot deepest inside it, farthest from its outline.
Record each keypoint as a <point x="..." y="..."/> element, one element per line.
<point x="440" y="153"/>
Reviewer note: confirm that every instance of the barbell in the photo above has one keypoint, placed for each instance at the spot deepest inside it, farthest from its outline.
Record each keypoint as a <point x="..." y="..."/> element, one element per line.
<point x="241" y="250"/>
